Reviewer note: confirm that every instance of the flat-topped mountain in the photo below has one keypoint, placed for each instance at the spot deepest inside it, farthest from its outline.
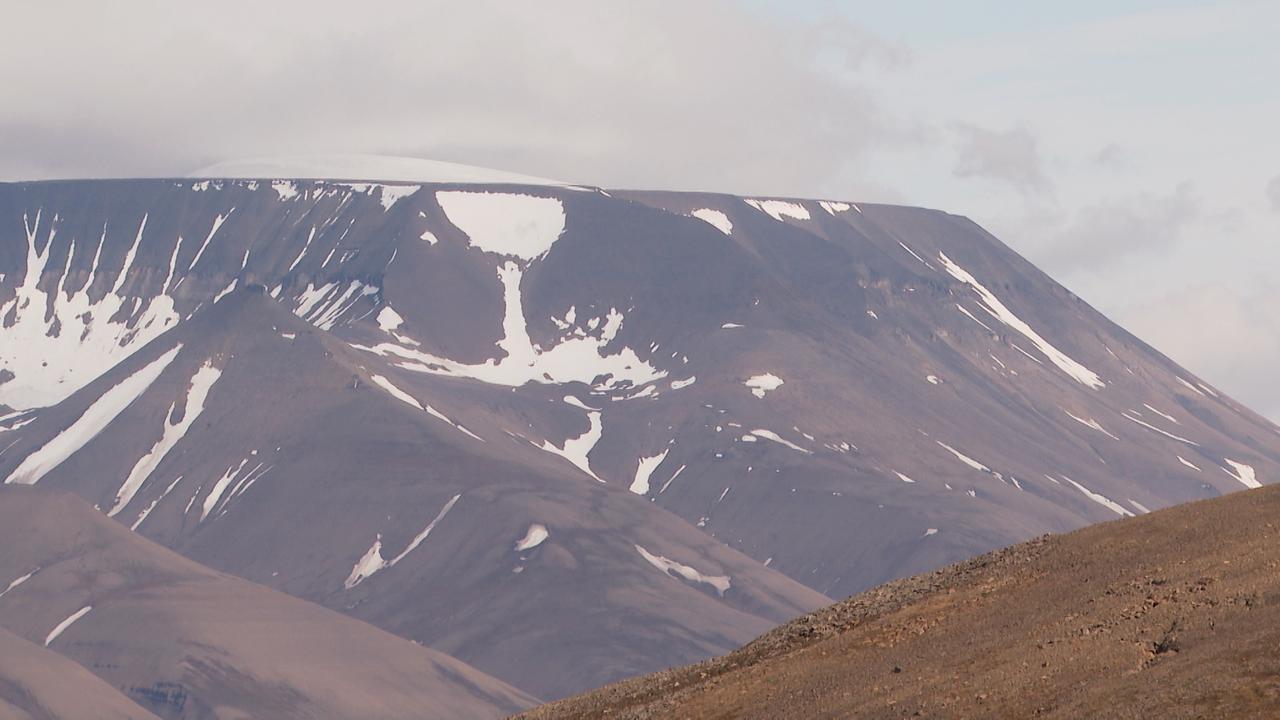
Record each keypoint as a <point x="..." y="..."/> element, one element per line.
<point x="565" y="434"/>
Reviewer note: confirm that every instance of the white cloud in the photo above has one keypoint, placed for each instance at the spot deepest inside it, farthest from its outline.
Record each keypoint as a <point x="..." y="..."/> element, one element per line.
<point x="1011" y="156"/>
<point x="708" y="95"/>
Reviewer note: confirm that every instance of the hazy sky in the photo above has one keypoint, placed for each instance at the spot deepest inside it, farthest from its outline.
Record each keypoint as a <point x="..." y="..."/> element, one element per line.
<point x="1126" y="147"/>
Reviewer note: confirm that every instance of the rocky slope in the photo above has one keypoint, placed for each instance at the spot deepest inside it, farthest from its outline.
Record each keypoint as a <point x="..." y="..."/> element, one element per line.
<point x="1117" y="620"/>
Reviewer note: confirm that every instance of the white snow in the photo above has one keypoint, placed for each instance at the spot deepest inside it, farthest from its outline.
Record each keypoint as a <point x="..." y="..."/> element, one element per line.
<point x="929" y="532"/>
<point x="1141" y="508"/>
<point x="964" y="458"/>
<point x="576" y="450"/>
<point x="1102" y="500"/>
<point x="672" y="479"/>
<point x="368" y="564"/>
<point x="715" y="218"/>
<point x="18" y="581"/>
<point x="974" y="318"/>
<point x="201" y="383"/>
<point x="679" y="384"/>
<point x="217" y="223"/>
<point x="372" y="560"/>
<point x="388" y="319"/>
<point x="644" y="469"/>
<point x="1166" y="416"/>
<point x="902" y="477"/>
<point x="59" y="340"/>
<point x="219" y="487"/>
<point x="1243" y="473"/>
<point x="62" y="626"/>
<point x="997" y="309"/>
<point x="577" y="359"/>
<point x="778" y="209"/>
<point x="1193" y="388"/>
<point x="142" y="516"/>
<point x="770" y="435"/>
<point x="533" y="537"/>
<point x="93" y="421"/>
<point x="409" y="400"/>
<point x="761" y="384"/>
<point x="364" y="167"/>
<point x="1188" y="463"/>
<point x="509" y="224"/>
<point x="396" y="392"/>
<point x="914" y="255"/>
<point x="1089" y="423"/>
<point x="1156" y="429"/>
<point x="389" y="194"/>
<point x="286" y="189"/>
<point x="834" y="207"/>
<point x="226" y="290"/>
<point x="670" y="567"/>
<point x="730" y="326"/>
<point x="933" y="379"/>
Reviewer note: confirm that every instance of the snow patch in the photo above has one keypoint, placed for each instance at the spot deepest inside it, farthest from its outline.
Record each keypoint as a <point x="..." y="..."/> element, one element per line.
<point x="644" y="470"/>
<point x="576" y="450"/>
<point x="62" y="626"/>
<point x="761" y="384"/>
<point x="533" y="537"/>
<point x="372" y="560"/>
<point x="1156" y="429"/>
<point x="778" y="209"/>
<point x="1102" y="500"/>
<point x="198" y="391"/>
<point x="1089" y="423"/>
<point x="509" y="224"/>
<point x="578" y="359"/>
<point x="18" y="581"/>
<point x="715" y="218"/>
<point x="1243" y="473"/>
<point x="997" y="309"/>
<point x="672" y="568"/>
<point x="773" y="436"/>
<point x="93" y="421"/>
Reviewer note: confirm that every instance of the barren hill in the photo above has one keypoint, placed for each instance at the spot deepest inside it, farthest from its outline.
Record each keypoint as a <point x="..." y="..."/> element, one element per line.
<point x="1175" y="614"/>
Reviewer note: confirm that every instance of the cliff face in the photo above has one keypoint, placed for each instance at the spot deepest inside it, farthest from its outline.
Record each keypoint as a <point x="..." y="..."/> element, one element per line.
<point x="565" y="434"/>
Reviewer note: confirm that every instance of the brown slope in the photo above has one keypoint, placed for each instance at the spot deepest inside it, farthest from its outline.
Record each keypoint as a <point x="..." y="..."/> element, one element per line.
<point x="36" y="684"/>
<point x="1175" y="614"/>
<point x="185" y="641"/>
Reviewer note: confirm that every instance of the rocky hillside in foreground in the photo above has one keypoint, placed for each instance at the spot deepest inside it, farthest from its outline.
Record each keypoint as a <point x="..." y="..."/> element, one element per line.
<point x="1175" y="614"/>
<point x="568" y="435"/>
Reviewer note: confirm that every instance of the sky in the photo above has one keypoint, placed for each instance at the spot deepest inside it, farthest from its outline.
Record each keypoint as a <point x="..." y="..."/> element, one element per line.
<point x="1126" y="147"/>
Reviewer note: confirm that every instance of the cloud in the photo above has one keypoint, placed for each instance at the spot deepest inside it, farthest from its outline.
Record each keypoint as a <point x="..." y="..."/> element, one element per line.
<point x="1273" y="193"/>
<point x="1010" y="156"/>
<point x="1228" y="336"/>
<point x="1117" y="228"/>
<point x="1111" y="156"/>
<point x="710" y="95"/>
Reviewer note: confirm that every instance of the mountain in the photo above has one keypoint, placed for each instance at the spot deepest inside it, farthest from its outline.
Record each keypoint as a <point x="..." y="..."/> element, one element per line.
<point x="566" y="434"/>
<point x="184" y="641"/>
<point x="1117" y="620"/>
